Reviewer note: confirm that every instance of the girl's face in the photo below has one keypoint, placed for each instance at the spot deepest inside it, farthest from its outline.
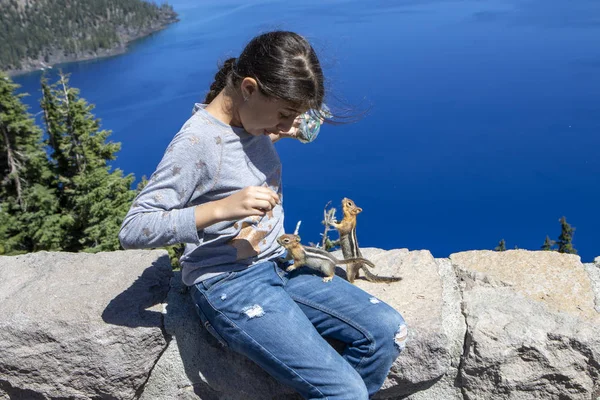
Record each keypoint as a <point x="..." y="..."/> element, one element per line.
<point x="261" y="115"/>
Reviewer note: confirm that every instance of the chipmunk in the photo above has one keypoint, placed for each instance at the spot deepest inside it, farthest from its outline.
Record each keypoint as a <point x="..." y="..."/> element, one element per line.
<point x="349" y="244"/>
<point x="314" y="258"/>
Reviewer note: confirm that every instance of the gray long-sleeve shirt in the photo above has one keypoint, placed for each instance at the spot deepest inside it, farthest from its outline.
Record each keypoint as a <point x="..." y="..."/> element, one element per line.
<point x="208" y="160"/>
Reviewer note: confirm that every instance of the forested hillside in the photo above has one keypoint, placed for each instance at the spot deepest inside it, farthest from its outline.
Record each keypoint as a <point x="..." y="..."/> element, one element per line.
<point x="34" y="33"/>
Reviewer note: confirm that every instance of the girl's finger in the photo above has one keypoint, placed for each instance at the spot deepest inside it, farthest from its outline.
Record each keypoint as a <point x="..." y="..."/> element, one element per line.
<point x="291" y="133"/>
<point x="262" y="205"/>
<point x="269" y="192"/>
<point x="268" y="197"/>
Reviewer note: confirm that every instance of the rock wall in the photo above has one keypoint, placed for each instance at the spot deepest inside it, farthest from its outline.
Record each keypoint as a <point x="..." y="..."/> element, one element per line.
<point x="482" y="325"/>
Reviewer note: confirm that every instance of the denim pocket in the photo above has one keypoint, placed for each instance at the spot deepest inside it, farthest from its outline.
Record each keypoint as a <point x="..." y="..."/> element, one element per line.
<point x="208" y="326"/>
<point x="209" y="284"/>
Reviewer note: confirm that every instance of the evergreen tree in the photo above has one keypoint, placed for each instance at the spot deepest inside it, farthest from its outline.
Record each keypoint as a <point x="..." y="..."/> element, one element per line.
<point x="501" y="246"/>
<point x="29" y="212"/>
<point x="20" y="139"/>
<point x="565" y="239"/>
<point x="548" y="244"/>
<point x="141" y="185"/>
<point x="94" y="198"/>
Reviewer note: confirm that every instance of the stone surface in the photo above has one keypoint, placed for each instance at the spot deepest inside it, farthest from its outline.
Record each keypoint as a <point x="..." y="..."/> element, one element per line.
<point x="519" y="349"/>
<point x="532" y="331"/>
<point x="80" y="326"/>
<point x="559" y="280"/>
<point x="482" y="325"/>
<point x="454" y="327"/>
<point x="593" y="271"/>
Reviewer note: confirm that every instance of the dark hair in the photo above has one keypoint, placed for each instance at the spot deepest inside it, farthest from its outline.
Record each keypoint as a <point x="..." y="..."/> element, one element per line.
<point x="283" y="64"/>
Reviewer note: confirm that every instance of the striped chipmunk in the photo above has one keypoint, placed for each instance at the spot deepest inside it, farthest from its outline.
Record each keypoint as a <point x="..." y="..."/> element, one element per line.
<point x="314" y="258"/>
<point x="347" y="230"/>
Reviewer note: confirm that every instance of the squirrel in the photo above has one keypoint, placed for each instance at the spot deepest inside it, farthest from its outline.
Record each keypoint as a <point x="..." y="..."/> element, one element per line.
<point x="314" y="258"/>
<point x="349" y="244"/>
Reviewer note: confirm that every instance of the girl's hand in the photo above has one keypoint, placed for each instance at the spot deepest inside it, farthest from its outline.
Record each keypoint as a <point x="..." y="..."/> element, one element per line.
<point x="253" y="200"/>
<point x="289" y="134"/>
<point x="292" y="133"/>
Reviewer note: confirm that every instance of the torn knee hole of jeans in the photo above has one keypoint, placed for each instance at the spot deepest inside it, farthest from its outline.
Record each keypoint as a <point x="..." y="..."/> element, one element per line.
<point x="401" y="336"/>
<point x="254" y="311"/>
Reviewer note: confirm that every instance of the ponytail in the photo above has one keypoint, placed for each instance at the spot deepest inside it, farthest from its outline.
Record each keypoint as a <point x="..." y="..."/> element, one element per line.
<point x="222" y="79"/>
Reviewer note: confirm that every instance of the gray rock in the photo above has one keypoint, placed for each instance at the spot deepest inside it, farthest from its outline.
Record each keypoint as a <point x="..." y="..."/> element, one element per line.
<point x="532" y="331"/>
<point x="482" y="325"/>
<point x="454" y="327"/>
<point x="559" y="280"/>
<point x="80" y="325"/>
<point x="593" y="271"/>
<point x="518" y="349"/>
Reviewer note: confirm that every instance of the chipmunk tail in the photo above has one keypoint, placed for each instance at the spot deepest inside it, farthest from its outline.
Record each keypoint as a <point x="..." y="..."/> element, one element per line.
<point x="367" y="262"/>
<point x="378" y="279"/>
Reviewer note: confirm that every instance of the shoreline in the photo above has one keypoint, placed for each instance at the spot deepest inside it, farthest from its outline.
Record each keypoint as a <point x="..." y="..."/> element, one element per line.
<point x="40" y="65"/>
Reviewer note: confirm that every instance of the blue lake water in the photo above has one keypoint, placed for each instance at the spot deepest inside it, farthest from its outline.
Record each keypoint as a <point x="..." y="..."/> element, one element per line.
<point x="484" y="117"/>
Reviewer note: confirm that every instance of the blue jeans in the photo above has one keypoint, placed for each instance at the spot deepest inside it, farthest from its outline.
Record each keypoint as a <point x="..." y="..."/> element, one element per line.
<point x="279" y="320"/>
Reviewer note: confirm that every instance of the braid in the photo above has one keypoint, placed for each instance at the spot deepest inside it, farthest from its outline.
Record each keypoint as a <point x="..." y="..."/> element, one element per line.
<point x="222" y="78"/>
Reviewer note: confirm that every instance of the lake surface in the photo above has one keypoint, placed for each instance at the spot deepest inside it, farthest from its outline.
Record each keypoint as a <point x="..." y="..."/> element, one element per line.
<point x="484" y="118"/>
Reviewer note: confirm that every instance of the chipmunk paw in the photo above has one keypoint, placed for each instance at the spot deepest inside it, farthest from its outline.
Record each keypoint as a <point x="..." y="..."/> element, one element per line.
<point x="327" y="278"/>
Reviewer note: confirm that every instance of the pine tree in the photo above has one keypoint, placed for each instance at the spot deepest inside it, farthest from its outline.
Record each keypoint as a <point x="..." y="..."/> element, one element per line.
<point x="548" y="244"/>
<point x="20" y="140"/>
<point x="141" y="185"/>
<point x="95" y="198"/>
<point x="29" y="212"/>
<point x="565" y="239"/>
<point x="501" y="246"/>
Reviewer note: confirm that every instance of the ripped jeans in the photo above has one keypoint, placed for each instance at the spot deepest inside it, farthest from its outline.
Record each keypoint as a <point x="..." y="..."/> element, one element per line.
<point x="279" y="320"/>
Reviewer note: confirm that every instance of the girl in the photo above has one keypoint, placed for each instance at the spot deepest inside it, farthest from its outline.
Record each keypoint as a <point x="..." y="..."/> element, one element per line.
<point x="218" y="190"/>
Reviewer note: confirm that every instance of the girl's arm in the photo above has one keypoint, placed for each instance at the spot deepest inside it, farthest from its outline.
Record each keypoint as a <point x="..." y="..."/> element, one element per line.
<point x="160" y="215"/>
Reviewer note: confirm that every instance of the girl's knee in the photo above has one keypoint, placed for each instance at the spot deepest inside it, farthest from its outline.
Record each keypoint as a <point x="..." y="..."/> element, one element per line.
<point x="352" y="387"/>
<point x="340" y="383"/>
<point x="391" y="326"/>
<point x="401" y="336"/>
<point x="357" y="391"/>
